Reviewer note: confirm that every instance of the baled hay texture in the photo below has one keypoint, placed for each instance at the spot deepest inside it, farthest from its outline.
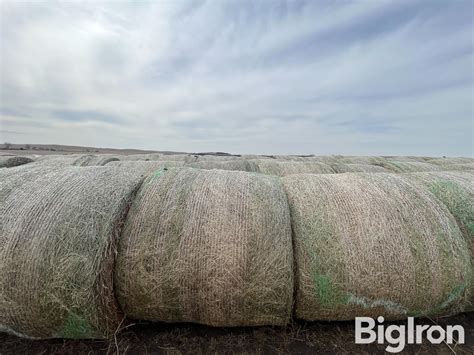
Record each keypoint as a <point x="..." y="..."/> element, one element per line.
<point x="146" y="167"/>
<point x="237" y="165"/>
<point x="142" y="157"/>
<point x="374" y="245"/>
<point x="459" y="167"/>
<point x="215" y="158"/>
<point x="284" y="168"/>
<point x="9" y="161"/>
<point x="366" y="160"/>
<point x="207" y="246"/>
<point x="358" y="168"/>
<point x="456" y="191"/>
<point x="56" y="161"/>
<point x="450" y="161"/>
<point x="95" y="160"/>
<point x="57" y="246"/>
<point x="408" y="158"/>
<point x="409" y="166"/>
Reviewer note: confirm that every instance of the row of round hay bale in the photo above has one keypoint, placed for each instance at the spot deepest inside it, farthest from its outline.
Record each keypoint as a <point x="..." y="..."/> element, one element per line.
<point x="237" y="165"/>
<point x="284" y="168"/>
<point x="450" y="161"/>
<point x="11" y="161"/>
<point x="146" y="167"/>
<point x="409" y="166"/>
<point x="216" y="157"/>
<point x="374" y="245"/>
<point x="407" y="158"/>
<point x="358" y="168"/>
<point x="459" y="167"/>
<point x="57" y="245"/>
<point x="366" y="160"/>
<point x="456" y="191"/>
<point x="207" y="246"/>
<point x="95" y="160"/>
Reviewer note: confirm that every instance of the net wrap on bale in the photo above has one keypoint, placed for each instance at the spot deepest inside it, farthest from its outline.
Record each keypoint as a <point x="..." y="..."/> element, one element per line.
<point x="374" y="244"/>
<point x="207" y="246"/>
<point x="57" y="244"/>
<point x="456" y="191"/>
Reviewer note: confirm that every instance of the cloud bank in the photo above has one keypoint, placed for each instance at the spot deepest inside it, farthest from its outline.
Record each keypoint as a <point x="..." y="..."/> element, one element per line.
<point x="282" y="77"/>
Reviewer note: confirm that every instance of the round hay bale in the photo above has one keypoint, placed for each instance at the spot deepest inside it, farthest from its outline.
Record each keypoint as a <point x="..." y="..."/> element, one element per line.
<point x="374" y="245"/>
<point x="409" y="166"/>
<point x="95" y="160"/>
<point x="57" y="247"/>
<point x="9" y="161"/>
<point x="146" y="167"/>
<point x="459" y="167"/>
<point x="284" y="168"/>
<point x="366" y="160"/>
<point x="408" y="158"/>
<point x="207" y="246"/>
<point x="216" y="158"/>
<point x="450" y="161"/>
<point x="236" y="165"/>
<point x="456" y="191"/>
<point x="358" y="168"/>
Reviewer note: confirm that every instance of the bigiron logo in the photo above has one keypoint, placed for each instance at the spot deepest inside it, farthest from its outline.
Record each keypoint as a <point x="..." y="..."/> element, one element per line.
<point x="397" y="336"/>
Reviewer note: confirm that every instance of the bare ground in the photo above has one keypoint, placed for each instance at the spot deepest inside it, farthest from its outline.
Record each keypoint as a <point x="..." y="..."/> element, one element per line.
<point x="298" y="338"/>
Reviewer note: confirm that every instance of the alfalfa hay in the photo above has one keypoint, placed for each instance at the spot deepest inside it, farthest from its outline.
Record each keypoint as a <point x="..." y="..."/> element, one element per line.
<point x="207" y="246"/>
<point x="374" y="245"/>
<point x="57" y="243"/>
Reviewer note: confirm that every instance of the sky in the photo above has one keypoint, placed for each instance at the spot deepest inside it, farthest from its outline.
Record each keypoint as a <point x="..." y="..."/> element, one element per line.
<point x="267" y="77"/>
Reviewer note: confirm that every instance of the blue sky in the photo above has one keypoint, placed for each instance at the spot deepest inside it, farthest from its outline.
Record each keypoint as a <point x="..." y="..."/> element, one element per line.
<point x="281" y="77"/>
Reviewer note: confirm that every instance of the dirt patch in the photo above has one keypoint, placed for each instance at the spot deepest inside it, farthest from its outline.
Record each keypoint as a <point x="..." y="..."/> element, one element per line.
<point x="299" y="338"/>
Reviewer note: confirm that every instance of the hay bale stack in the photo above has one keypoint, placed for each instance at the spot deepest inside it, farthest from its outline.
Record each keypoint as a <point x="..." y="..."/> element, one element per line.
<point x="409" y="166"/>
<point x="95" y="160"/>
<point x="57" y="161"/>
<point x="456" y="191"/>
<point x="366" y="160"/>
<point x="358" y="168"/>
<point x="57" y="246"/>
<point x="450" y="161"/>
<point x="145" y="167"/>
<point x="459" y="167"/>
<point x="372" y="245"/>
<point x="207" y="246"/>
<point x="236" y="165"/>
<point x="408" y="158"/>
<point x="10" y="162"/>
<point x="216" y="158"/>
<point x="284" y="168"/>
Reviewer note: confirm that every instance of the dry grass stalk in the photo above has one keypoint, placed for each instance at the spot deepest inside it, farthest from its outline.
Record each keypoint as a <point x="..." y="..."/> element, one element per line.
<point x="409" y="166"/>
<point x="374" y="244"/>
<point x="207" y="246"/>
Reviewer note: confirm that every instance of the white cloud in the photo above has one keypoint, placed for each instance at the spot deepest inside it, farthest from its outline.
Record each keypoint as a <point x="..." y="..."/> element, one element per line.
<point x="366" y="77"/>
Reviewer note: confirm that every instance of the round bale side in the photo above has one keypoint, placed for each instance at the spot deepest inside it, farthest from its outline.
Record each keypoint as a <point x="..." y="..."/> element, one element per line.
<point x="207" y="246"/>
<point x="456" y="191"/>
<point x="372" y="245"/>
<point x="57" y="247"/>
